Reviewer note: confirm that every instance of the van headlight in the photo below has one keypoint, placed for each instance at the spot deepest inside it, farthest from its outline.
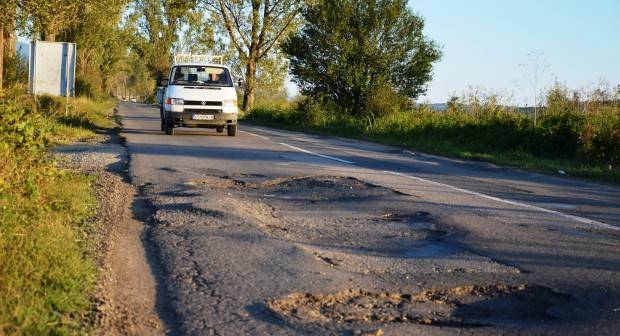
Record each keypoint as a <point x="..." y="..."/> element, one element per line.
<point x="229" y="103"/>
<point x="175" y="101"/>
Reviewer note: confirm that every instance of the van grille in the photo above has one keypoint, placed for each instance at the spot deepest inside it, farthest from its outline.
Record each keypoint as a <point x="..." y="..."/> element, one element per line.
<point x="200" y="103"/>
<point x="202" y="111"/>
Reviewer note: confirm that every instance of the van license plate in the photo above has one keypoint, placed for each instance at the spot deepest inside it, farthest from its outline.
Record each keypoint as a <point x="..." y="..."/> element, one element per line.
<point x="202" y="117"/>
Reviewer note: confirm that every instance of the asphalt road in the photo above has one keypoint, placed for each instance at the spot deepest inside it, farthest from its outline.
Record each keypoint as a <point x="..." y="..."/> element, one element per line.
<point x="275" y="232"/>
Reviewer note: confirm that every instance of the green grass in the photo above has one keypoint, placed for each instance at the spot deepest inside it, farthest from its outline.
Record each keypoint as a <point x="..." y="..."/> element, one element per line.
<point x="46" y="273"/>
<point x="581" y="145"/>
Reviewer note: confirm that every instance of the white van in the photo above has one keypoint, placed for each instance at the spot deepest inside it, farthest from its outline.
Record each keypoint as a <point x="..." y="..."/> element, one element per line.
<point x="199" y="92"/>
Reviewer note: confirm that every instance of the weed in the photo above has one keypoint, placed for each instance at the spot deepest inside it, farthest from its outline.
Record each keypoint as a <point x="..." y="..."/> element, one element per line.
<point x="45" y="273"/>
<point x="579" y="137"/>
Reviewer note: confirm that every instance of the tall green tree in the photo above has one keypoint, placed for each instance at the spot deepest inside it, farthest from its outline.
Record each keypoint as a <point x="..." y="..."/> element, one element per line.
<point x="254" y="28"/>
<point x="101" y="45"/>
<point x="197" y="34"/>
<point x="159" y="25"/>
<point x="49" y="17"/>
<point x="347" y="48"/>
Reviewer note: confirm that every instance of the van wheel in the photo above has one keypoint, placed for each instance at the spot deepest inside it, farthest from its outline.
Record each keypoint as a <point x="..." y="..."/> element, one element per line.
<point x="169" y="129"/>
<point x="232" y="130"/>
<point x="220" y="129"/>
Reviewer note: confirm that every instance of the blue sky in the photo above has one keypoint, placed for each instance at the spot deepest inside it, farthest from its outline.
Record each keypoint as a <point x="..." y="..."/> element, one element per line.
<point x="484" y="42"/>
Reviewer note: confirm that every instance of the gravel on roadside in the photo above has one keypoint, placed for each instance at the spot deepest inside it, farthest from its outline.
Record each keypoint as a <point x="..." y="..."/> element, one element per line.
<point x="116" y="247"/>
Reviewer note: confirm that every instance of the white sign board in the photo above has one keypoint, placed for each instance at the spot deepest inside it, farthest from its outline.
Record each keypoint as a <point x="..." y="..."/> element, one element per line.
<point x="52" y="68"/>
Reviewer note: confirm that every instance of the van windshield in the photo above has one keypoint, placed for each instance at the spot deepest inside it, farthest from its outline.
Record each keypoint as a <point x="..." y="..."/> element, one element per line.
<point x="200" y="76"/>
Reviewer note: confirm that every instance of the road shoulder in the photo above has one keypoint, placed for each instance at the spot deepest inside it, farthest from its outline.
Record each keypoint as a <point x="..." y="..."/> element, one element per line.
<point x="124" y="301"/>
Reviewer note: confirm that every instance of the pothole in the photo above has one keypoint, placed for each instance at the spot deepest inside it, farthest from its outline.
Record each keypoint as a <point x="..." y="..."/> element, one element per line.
<point x="325" y="188"/>
<point x="221" y="183"/>
<point x="357" y="234"/>
<point x="459" y="306"/>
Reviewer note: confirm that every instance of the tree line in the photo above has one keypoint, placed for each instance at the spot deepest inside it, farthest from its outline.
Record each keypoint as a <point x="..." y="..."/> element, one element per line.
<point x="365" y="56"/>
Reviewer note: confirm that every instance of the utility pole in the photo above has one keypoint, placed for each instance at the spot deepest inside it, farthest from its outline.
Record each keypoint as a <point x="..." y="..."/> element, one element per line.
<point x="535" y="67"/>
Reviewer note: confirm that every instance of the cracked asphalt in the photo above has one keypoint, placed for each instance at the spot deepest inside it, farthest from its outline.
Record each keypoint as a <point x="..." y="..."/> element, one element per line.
<point x="284" y="233"/>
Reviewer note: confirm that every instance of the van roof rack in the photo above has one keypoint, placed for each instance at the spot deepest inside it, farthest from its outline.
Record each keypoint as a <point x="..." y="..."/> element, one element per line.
<point x="207" y="59"/>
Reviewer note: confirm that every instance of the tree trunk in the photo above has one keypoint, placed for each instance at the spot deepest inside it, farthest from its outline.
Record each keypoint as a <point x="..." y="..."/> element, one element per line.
<point x="10" y="40"/>
<point x="1" y="54"/>
<point x="49" y="37"/>
<point x="250" y="86"/>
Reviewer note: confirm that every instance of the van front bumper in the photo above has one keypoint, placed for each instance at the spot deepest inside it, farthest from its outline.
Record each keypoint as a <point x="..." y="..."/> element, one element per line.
<point x="197" y="118"/>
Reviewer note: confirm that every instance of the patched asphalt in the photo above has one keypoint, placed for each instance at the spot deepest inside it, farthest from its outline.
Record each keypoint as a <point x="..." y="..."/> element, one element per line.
<point x="275" y="232"/>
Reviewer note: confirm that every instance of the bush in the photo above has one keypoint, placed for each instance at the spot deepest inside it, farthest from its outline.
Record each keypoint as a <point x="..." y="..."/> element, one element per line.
<point x="88" y="85"/>
<point x="15" y="70"/>
<point x="49" y="105"/>
<point x="382" y="101"/>
<point x="45" y="272"/>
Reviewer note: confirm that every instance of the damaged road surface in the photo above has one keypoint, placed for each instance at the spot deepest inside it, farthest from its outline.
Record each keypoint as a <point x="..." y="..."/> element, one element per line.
<point x="284" y="233"/>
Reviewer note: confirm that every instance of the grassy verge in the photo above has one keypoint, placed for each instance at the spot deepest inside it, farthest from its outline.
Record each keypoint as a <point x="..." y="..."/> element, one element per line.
<point x="46" y="274"/>
<point x="492" y="136"/>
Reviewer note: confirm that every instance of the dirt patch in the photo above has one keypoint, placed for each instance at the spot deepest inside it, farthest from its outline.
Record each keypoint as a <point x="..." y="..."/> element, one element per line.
<point x="127" y="288"/>
<point x="220" y="183"/>
<point x="459" y="306"/>
<point x="124" y="300"/>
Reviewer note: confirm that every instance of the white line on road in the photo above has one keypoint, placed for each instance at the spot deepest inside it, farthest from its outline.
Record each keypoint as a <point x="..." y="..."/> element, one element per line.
<point x="316" y="154"/>
<point x="465" y="191"/>
<point x="256" y="135"/>
<point x="270" y="132"/>
<point x="421" y="161"/>
<point x="497" y="199"/>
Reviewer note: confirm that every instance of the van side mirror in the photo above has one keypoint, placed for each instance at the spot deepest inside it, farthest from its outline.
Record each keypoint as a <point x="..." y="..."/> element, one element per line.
<point x="240" y="83"/>
<point x="163" y="82"/>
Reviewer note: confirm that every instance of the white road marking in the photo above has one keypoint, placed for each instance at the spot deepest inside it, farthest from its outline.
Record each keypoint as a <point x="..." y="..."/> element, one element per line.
<point x="303" y="139"/>
<point x="420" y="161"/>
<point x="426" y="162"/>
<point x="256" y="135"/>
<point x="270" y="132"/>
<point x="501" y="200"/>
<point x="316" y="154"/>
<point x="465" y="191"/>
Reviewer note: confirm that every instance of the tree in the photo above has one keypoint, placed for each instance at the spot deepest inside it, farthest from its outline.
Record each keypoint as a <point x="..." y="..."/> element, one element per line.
<point x="1" y="53"/>
<point x="159" y="25"/>
<point x="197" y="36"/>
<point x="254" y="28"/>
<point x="348" y="47"/>
<point x="49" y="17"/>
<point x="7" y="28"/>
<point x="101" y="45"/>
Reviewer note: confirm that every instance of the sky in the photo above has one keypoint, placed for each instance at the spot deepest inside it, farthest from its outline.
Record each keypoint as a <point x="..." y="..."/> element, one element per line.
<point x="485" y="42"/>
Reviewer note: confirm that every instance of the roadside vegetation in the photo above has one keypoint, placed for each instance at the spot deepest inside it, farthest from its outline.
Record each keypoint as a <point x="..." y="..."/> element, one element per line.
<point x="580" y="136"/>
<point x="47" y="231"/>
<point x="361" y="65"/>
<point x="46" y="273"/>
